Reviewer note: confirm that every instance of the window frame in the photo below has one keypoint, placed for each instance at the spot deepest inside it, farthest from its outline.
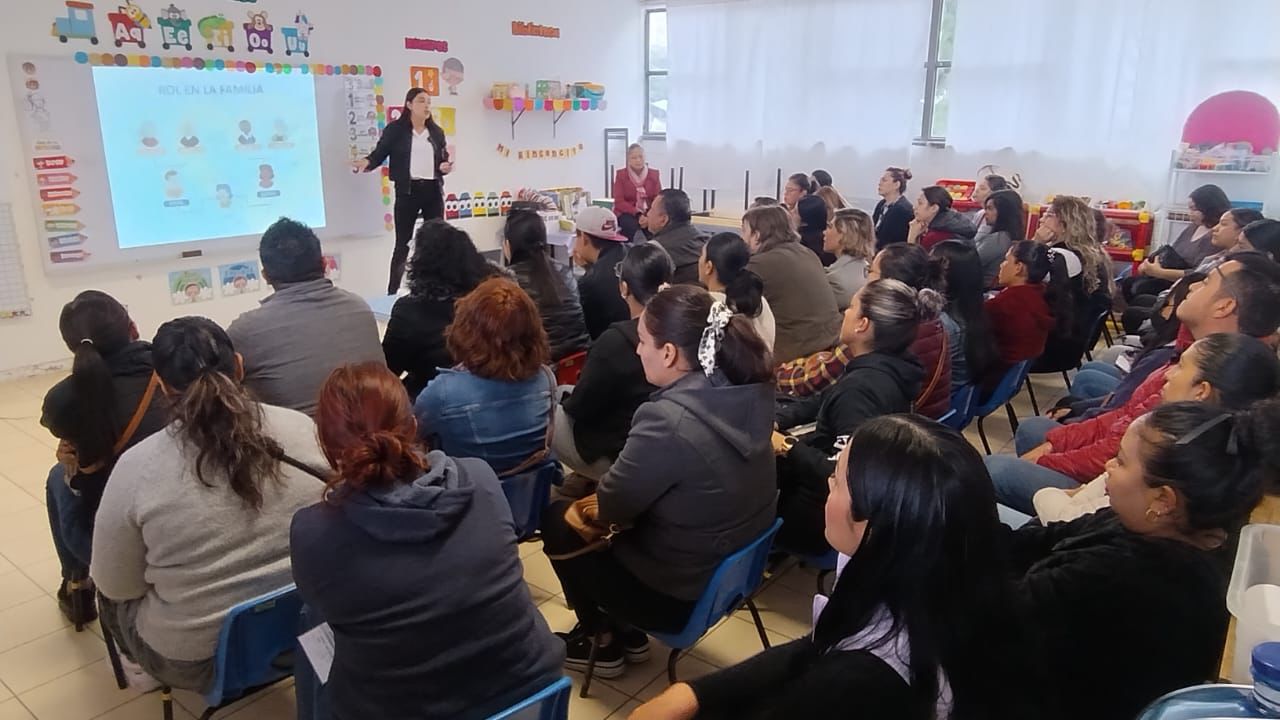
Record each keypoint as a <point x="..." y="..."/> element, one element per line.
<point x="649" y="74"/>
<point x="932" y="66"/>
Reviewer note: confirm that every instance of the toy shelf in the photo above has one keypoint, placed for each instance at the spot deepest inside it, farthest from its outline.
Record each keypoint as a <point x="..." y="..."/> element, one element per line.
<point x="518" y="106"/>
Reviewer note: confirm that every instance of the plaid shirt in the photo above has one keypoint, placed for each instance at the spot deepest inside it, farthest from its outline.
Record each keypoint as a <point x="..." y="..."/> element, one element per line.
<point x="808" y="375"/>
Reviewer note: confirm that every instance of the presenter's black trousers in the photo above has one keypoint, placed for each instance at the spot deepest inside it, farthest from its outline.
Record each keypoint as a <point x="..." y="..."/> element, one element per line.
<point x="414" y="198"/>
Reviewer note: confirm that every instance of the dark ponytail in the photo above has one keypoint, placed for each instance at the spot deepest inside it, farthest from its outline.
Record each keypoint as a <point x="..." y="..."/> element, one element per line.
<point x="743" y="289"/>
<point x="678" y="315"/>
<point x="1050" y="271"/>
<point x="526" y="234"/>
<point x="803" y="182"/>
<point x="214" y="415"/>
<point x="1218" y="462"/>
<point x="94" y="326"/>
<point x="645" y="269"/>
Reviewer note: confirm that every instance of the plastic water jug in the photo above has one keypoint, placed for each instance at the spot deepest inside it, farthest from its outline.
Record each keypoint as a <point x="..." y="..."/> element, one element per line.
<point x="1212" y="702"/>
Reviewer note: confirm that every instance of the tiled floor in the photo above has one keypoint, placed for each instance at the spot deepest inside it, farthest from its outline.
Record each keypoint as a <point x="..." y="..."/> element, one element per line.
<point x="50" y="672"/>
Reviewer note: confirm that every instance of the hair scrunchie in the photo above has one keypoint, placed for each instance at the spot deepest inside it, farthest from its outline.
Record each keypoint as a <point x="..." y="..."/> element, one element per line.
<point x="717" y="321"/>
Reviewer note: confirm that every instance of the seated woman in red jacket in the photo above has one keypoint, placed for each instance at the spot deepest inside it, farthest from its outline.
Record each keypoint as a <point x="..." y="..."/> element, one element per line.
<point x="634" y="188"/>
<point x="1023" y="313"/>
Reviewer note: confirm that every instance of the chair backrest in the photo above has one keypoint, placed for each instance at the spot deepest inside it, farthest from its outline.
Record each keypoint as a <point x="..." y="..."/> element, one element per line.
<point x="528" y="493"/>
<point x="1005" y="390"/>
<point x="1095" y="332"/>
<point x="569" y="368"/>
<point x="962" y="402"/>
<point x="255" y="633"/>
<point x="549" y="703"/>
<point x="737" y="578"/>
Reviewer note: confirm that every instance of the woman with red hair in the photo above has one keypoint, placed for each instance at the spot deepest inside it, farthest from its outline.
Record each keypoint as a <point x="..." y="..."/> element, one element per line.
<point x="411" y="559"/>
<point x="495" y="404"/>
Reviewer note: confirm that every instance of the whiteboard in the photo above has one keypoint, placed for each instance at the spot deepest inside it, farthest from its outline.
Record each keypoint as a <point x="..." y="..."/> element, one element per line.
<point x="71" y="194"/>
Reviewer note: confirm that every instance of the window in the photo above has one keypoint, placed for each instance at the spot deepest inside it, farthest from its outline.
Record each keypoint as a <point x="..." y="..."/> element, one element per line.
<point x="655" y="72"/>
<point x="937" y="73"/>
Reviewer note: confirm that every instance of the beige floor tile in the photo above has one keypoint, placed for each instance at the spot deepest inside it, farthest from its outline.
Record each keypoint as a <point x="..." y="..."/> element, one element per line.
<point x="732" y="642"/>
<point x="559" y="617"/>
<point x="14" y="710"/>
<point x="18" y="404"/>
<point x="14" y="498"/>
<point x="16" y="588"/>
<point x="194" y="703"/>
<point x="537" y="571"/>
<point x="28" y="621"/>
<point x="273" y="704"/>
<point x="6" y="567"/>
<point x="783" y="610"/>
<point x="640" y="675"/>
<point x="146" y="707"/>
<point x="528" y="548"/>
<point x="49" y="657"/>
<point x="45" y="573"/>
<point x="80" y="695"/>
<point x="799" y="579"/>
<point x="625" y="711"/>
<point x="4" y="692"/>
<point x="33" y="429"/>
<point x="602" y="703"/>
<point x="539" y="595"/>
<point x="688" y="668"/>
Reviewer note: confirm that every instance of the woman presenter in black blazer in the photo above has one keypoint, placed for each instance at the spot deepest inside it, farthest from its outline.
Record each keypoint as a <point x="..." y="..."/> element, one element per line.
<point x="419" y="162"/>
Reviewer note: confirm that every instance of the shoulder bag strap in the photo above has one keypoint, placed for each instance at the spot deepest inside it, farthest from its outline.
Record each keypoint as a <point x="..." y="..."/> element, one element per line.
<point x="542" y="454"/>
<point x="129" y="430"/>
<point x="299" y="465"/>
<point x="937" y="371"/>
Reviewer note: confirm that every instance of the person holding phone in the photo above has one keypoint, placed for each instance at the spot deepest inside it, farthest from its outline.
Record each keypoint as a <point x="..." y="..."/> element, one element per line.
<point x="419" y="161"/>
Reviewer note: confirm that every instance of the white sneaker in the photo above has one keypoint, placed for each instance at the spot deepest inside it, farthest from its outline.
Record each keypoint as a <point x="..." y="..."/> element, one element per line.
<point x="138" y="678"/>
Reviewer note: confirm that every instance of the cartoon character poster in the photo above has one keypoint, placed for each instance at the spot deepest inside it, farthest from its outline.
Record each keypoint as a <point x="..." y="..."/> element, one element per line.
<point x="239" y="278"/>
<point x="451" y="72"/>
<point x="190" y="286"/>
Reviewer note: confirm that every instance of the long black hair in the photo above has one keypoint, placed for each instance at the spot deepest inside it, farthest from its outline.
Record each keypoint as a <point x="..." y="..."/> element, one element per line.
<point x="434" y="131"/>
<point x="445" y="263"/>
<point x="94" y="327"/>
<point x="526" y="234"/>
<point x="963" y="280"/>
<point x="743" y="289"/>
<point x="214" y="415"/>
<point x="1010" y="215"/>
<point x="645" y="269"/>
<point x="1050" y="271"/>
<point x="678" y="315"/>
<point x="931" y="556"/>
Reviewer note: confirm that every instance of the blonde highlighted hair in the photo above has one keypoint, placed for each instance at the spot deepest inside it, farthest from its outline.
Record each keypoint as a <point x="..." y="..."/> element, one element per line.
<point x="1080" y="234"/>
<point x="857" y="233"/>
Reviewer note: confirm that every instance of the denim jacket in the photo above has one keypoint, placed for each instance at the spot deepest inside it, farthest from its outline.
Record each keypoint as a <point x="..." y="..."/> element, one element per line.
<point x="497" y="421"/>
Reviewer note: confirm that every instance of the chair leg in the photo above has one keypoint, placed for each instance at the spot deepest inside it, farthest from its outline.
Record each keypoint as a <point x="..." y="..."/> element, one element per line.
<point x="166" y="702"/>
<point x="113" y="655"/>
<point x="983" y="434"/>
<point x="1106" y="336"/>
<point x="1013" y="417"/>
<point x="755" y="615"/>
<point x="208" y="713"/>
<point x="1067" y="379"/>
<point x="671" y="666"/>
<point x="591" y="665"/>
<point x="1031" y="391"/>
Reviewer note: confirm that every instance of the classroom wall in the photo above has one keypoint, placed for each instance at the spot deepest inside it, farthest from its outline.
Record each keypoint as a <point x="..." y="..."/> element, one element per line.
<point x="600" y="41"/>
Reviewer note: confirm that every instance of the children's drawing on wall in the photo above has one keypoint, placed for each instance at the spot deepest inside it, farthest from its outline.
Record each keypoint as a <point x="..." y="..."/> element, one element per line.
<point x="332" y="267"/>
<point x="77" y="23"/>
<point x="240" y="278"/>
<point x="175" y="27"/>
<point x="127" y="25"/>
<point x="216" y="31"/>
<point x="190" y="286"/>
<point x="452" y="74"/>
<point x="297" y="37"/>
<point x="257" y="32"/>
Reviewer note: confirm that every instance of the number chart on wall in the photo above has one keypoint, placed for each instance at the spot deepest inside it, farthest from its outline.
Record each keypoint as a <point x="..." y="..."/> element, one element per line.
<point x="14" y="301"/>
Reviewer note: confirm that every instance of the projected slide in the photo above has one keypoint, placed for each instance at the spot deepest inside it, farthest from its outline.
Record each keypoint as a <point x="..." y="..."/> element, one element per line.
<point x="193" y="154"/>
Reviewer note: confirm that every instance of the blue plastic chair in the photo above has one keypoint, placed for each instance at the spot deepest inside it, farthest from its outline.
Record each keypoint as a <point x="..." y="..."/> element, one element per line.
<point x="1003" y="394"/>
<point x="528" y="493"/>
<point x="961" y="414"/>
<point x="733" y="585"/>
<point x="254" y="635"/>
<point x="550" y="703"/>
<point x="825" y="563"/>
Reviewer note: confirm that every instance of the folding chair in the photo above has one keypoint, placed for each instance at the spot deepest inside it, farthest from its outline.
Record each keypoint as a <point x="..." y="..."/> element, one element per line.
<point x="1003" y="394"/>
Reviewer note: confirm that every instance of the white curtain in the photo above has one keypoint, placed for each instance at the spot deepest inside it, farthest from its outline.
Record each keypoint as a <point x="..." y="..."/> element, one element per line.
<point x="1108" y="82"/>
<point x="762" y="75"/>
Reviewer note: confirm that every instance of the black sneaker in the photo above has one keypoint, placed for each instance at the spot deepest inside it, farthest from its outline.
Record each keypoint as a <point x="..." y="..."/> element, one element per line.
<point x="635" y="644"/>
<point x="609" y="658"/>
<point x="81" y="612"/>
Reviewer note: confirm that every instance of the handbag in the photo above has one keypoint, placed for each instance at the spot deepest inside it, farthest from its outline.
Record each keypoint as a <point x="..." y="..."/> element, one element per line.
<point x="583" y="517"/>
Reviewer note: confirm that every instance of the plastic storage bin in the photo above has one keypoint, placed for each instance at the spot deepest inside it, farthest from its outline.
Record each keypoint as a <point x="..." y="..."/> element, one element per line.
<point x="1257" y="612"/>
<point x="1218" y="702"/>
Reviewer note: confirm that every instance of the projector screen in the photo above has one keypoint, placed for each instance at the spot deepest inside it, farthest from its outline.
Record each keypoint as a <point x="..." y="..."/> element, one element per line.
<point x="194" y="155"/>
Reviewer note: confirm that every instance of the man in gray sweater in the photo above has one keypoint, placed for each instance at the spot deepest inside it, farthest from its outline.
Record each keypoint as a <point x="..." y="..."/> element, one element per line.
<point x="671" y="222"/>
<point x="306" y="328"/>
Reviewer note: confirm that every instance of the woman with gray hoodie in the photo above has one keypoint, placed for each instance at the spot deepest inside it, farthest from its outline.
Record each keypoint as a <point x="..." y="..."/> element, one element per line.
<point x="411" y="559"/>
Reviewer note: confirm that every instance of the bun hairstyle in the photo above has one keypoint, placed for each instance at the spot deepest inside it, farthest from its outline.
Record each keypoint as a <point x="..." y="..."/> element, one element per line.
<point x="900" y="176"/>
<point x="1218" y="462"/>
<point x="822" y="178"/>
<point x="743" y="289"/>
<point x="367" y="431"/>
<point x="679" y="315"/>
<point x="645" y="269"/>
<point x="213" y="414"/>
<point x="896" y="310"/>
<point x="773" y="224"/>
<point x="803" y="182"/>
<point x="94" y="326"/>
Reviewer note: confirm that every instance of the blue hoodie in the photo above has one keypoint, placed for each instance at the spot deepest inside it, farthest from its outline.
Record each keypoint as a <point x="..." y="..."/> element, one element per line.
<point x="423" y="587"/>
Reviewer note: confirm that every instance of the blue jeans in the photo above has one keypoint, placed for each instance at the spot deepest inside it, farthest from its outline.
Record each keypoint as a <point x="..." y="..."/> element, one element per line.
<point x="72" y="538"/>
<point x="1095" y="379"/>
<point x="1031" y="432"/>
<point x="1016" y="481"/>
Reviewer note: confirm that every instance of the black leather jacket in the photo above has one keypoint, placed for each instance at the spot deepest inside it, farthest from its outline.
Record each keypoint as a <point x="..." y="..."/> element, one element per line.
<point x="562" y="319"/>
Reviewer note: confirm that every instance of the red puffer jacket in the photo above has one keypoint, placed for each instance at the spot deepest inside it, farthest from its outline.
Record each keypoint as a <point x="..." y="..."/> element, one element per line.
<point x="1081" y="450"/>
<point x="930" y="348"/>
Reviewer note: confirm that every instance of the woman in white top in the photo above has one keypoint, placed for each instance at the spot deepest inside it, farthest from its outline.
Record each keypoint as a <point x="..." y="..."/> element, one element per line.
<point x="723" y="270"/>
<point x="851" y="238"/>
<point x="195" y="519"/>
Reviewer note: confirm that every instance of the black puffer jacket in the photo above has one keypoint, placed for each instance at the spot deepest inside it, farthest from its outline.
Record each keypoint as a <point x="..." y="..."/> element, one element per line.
<point x="561" y="316"/>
